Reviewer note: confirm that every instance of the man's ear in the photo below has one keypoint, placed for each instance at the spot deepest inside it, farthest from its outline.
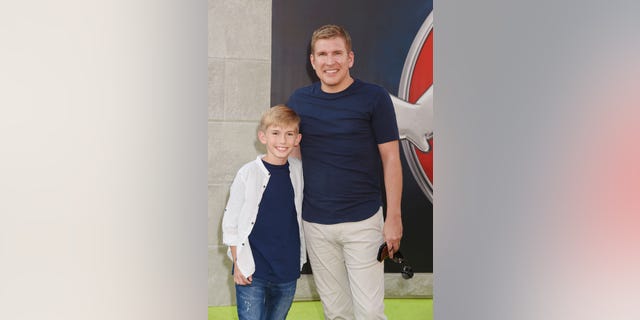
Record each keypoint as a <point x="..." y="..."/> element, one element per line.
<point x="312" y="60"/>
<point x="352" y="57"/>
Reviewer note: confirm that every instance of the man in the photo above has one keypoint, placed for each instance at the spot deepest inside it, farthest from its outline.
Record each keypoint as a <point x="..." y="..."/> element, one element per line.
<point x="350" y="133"/>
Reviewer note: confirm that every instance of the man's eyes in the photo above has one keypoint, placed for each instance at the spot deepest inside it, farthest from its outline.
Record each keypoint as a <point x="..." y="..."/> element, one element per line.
<point x="337" y="53"/>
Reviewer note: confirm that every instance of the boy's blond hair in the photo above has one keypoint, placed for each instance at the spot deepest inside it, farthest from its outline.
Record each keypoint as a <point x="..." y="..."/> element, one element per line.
<point x="279" y="115"/>
<point x="330" y="31"/>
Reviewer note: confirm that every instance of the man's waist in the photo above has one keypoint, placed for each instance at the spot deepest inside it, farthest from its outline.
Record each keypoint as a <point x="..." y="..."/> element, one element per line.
<point x="339" y="213"/>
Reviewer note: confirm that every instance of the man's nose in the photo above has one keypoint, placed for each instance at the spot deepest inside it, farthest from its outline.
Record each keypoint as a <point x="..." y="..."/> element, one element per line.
<point x="330" y="59"/>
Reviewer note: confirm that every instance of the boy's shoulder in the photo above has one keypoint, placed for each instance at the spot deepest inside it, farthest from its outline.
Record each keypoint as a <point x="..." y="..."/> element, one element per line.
<point x="250" y="166"/>
<point x="295" y="162"/>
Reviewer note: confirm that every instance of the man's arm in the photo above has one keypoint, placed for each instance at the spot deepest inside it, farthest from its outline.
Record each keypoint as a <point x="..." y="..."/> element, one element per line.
<point x="392" y="167"/>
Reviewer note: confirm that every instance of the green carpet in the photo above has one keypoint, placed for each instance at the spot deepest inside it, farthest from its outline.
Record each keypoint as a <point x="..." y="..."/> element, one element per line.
<point x="395" y="309"/>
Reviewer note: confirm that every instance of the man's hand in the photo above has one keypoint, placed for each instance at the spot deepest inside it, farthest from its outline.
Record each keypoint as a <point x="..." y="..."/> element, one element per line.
<point x="393" y="232"/>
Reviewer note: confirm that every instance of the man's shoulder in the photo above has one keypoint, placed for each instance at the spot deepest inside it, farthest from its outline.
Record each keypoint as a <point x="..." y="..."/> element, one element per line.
<point x="301" y="97"/>
<point x="306" y="90"/>
<point x="368" y="86"/>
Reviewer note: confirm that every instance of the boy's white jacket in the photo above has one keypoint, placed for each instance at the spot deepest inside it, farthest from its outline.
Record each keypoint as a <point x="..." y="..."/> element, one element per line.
<point x="242" y="209"/>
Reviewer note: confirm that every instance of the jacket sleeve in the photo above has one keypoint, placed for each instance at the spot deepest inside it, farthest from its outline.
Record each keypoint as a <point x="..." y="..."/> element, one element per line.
<point x="230" y="233"/>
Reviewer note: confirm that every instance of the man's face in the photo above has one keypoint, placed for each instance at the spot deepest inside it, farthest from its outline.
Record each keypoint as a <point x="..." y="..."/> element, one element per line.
<point x="280" y="142"/>
<point x="332" y="61"/>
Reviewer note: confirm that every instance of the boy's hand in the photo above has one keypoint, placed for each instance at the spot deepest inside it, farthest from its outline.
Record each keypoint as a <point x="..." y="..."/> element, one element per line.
<point x="239" y="278"/>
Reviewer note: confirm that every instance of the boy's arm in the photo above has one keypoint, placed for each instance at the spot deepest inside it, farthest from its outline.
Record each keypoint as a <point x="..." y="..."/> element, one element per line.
<point x="392" y="167"/>
<point x="238" y="277"/>
<point x="230" y="234"/>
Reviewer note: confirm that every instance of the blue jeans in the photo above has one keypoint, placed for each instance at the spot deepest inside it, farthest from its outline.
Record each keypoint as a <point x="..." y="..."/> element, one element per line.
<point x="264" y="300"/>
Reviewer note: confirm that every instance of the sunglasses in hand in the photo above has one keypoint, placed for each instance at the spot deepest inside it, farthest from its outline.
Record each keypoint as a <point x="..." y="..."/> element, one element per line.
<point x="383" y="253"/>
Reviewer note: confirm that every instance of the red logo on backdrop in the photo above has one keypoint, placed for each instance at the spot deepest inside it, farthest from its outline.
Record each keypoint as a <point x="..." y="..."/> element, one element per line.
<point x="414" y="107"/>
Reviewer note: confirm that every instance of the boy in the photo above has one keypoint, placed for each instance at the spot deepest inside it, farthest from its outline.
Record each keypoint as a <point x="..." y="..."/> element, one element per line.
<point x="262" y="221"/>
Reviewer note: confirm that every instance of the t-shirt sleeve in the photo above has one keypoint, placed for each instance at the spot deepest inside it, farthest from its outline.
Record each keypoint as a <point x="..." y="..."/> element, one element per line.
<point x="383" y="120"/>
<point x="292" y="102"/>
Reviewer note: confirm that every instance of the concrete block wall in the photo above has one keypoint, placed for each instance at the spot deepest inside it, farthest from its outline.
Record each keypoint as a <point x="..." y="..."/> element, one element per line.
<point x="239" y="50"/>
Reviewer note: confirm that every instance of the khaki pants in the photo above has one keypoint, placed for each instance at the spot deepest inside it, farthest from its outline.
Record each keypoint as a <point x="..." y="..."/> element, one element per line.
<point x="348" y="276"/>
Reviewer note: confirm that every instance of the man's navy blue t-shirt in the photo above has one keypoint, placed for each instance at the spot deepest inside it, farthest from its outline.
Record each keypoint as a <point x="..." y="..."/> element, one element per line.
<point x="340" y="157"/>
<point x="275" y="237"/>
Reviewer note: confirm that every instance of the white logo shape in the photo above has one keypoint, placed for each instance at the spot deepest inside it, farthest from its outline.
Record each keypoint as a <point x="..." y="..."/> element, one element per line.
<point x="415" y="121"/>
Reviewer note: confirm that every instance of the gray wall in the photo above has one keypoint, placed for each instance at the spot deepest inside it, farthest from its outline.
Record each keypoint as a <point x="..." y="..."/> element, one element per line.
<point x="239" y="91"/>
<point x="239" y="86"/>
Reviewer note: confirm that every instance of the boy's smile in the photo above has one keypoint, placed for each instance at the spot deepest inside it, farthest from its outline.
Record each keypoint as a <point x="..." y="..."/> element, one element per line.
<point x="280" y="142"/>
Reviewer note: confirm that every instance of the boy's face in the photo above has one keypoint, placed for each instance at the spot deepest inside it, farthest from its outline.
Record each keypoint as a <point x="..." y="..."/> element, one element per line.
<point x="280" y="141"/>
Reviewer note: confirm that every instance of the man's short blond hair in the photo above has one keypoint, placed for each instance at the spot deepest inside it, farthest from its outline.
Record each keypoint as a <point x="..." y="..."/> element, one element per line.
<point x="330" y="31"/>
<point x="279" y="115"/>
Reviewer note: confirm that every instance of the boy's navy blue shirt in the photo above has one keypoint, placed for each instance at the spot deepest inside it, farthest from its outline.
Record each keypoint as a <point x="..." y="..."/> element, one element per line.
<point x="275" y="238"/>
<point x="341" y="161"/>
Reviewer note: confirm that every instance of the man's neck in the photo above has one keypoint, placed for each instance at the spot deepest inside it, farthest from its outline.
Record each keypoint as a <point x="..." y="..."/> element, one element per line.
<point x="337" y="88"/>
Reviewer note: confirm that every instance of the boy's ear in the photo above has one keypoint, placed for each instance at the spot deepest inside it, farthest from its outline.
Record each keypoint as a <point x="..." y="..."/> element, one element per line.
<point x="298" y="139"/>
<point x="262" y="137"/>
